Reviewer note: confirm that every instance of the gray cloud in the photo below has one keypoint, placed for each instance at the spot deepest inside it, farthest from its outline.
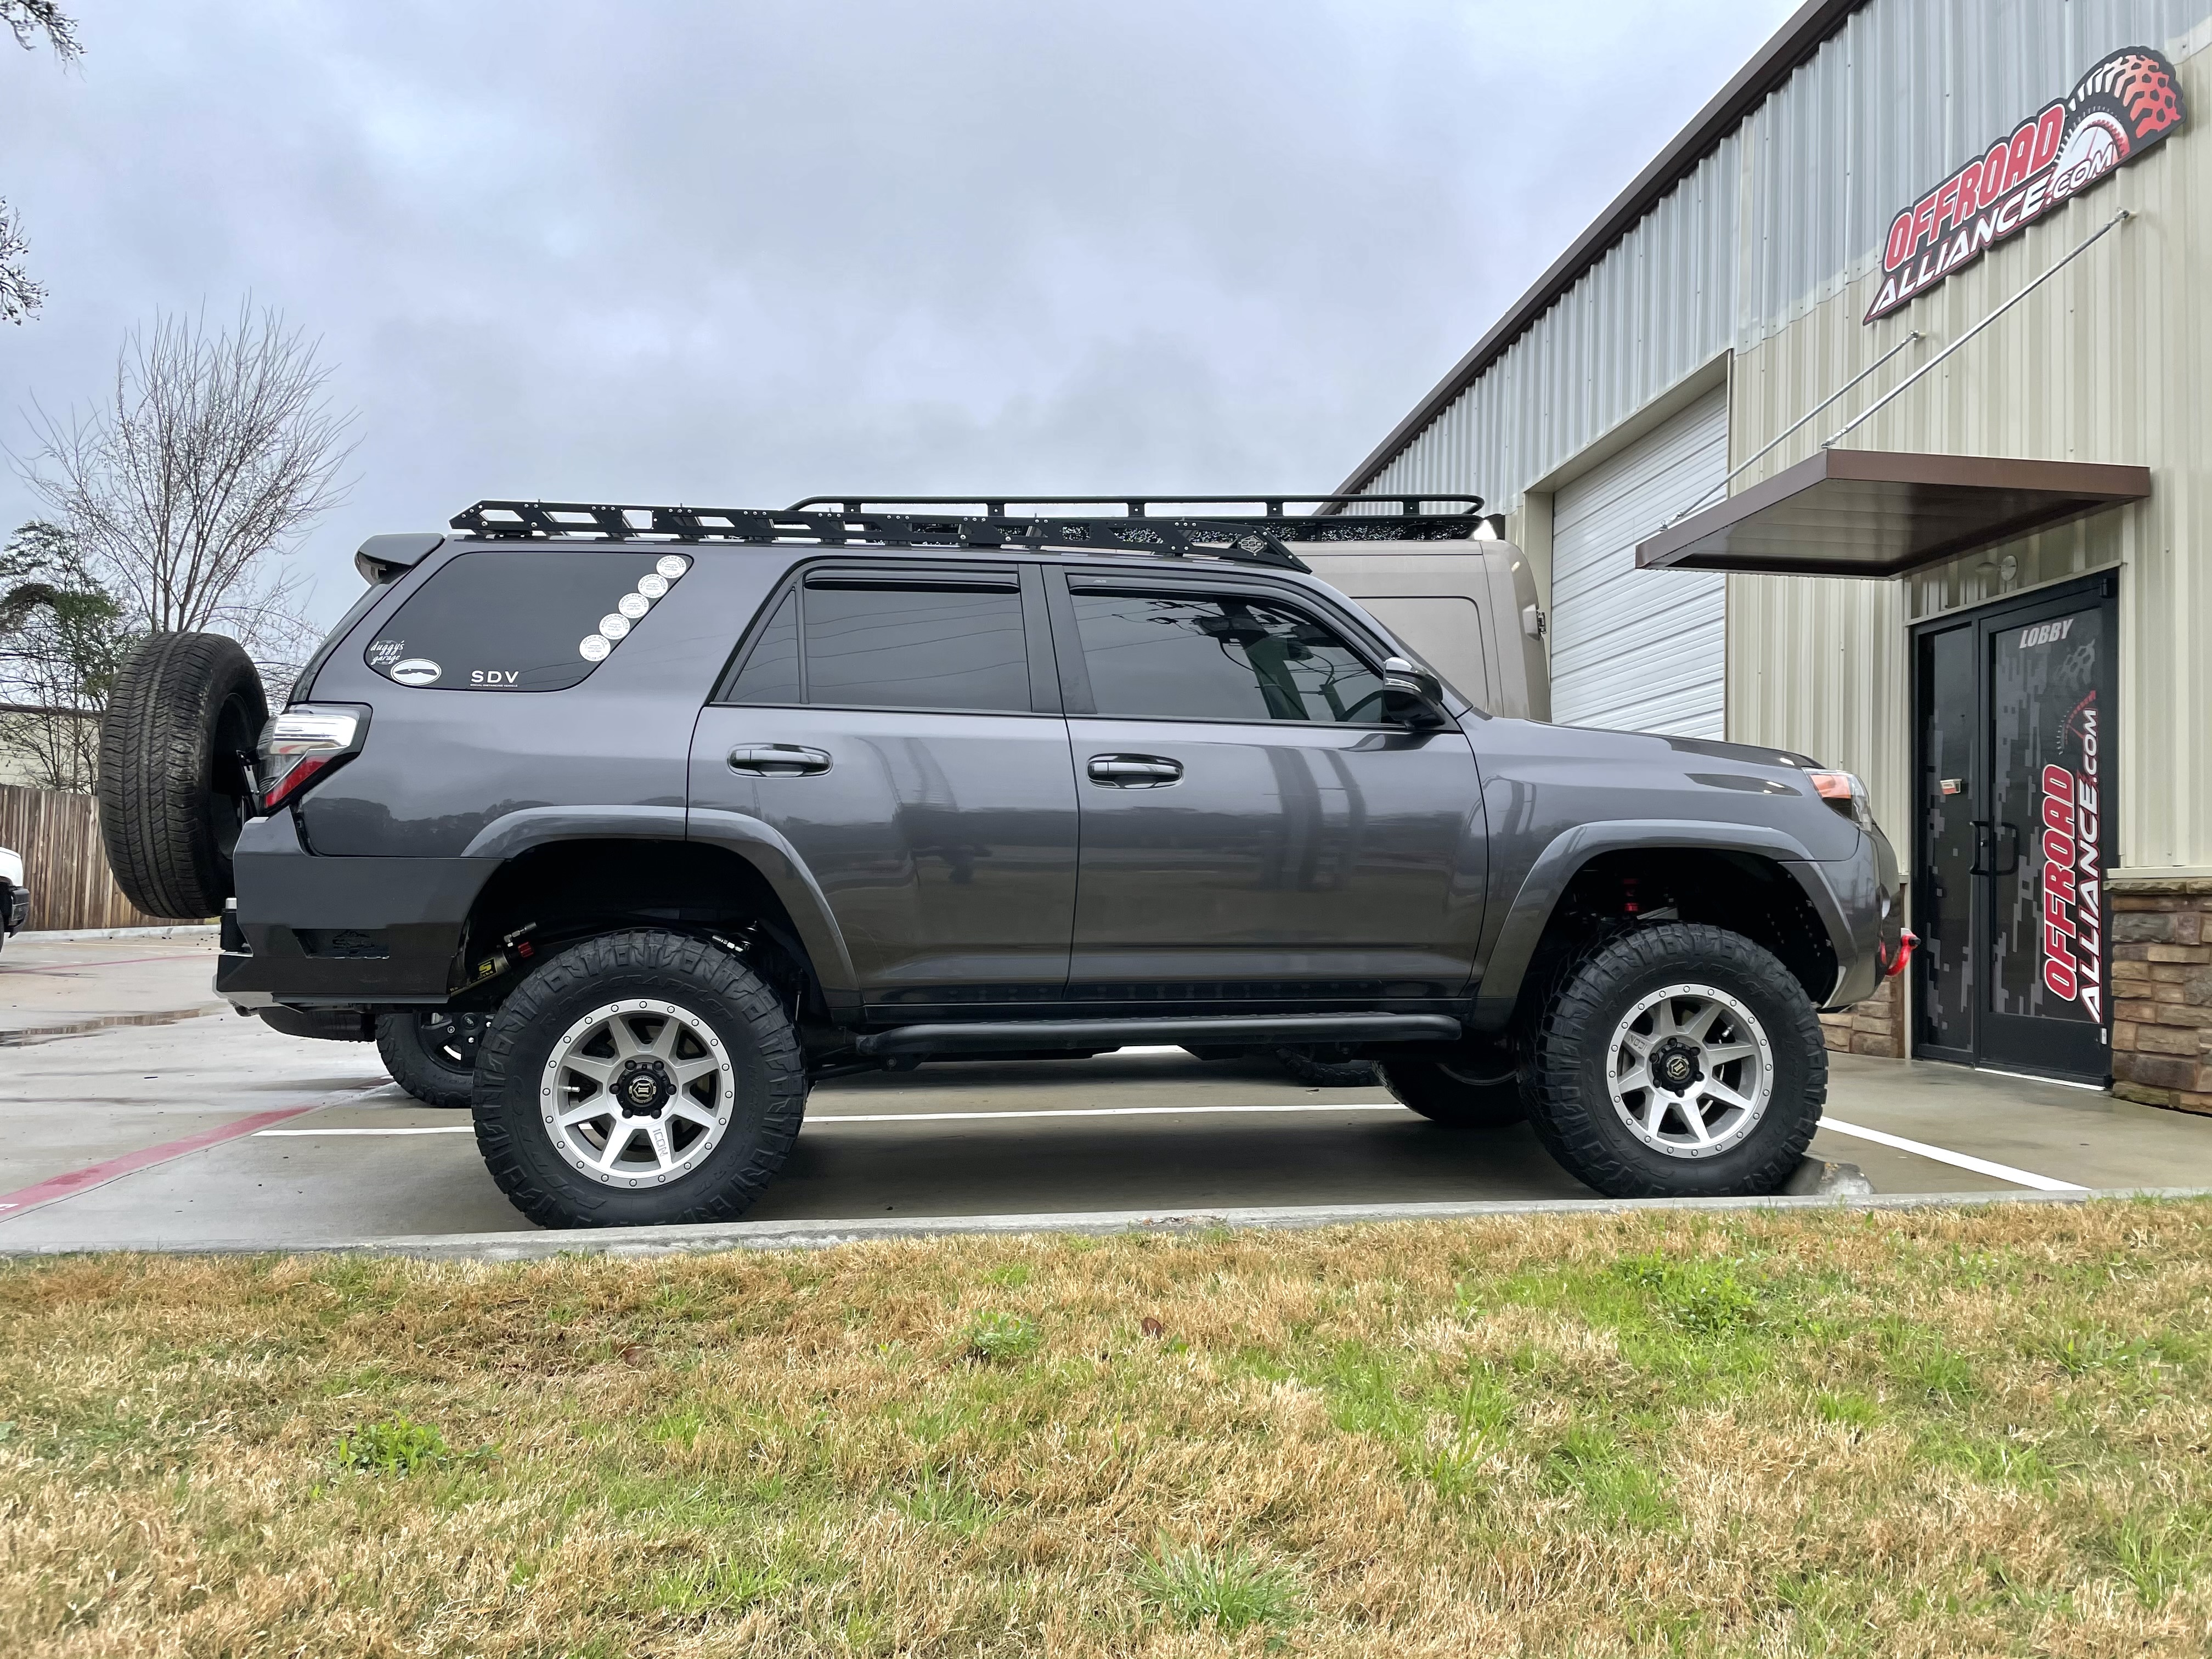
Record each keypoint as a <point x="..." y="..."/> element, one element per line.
<point x="745" y="252"/>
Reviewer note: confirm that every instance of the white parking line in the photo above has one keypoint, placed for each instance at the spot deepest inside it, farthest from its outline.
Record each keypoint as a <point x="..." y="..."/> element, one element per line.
<point x="1941" y="1155"/>
<point x="1918" y="1148"/>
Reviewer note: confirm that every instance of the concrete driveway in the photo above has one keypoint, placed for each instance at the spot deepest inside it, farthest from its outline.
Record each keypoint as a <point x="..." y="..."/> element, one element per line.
<point x="201" y="1129"/>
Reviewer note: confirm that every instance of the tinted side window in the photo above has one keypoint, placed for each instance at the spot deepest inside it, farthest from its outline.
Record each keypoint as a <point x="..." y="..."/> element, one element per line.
<point x="771" y="669"/>
<point x="525" y="621"/>
<point x="876" y="646"/>
<point x="1221" y="658"/>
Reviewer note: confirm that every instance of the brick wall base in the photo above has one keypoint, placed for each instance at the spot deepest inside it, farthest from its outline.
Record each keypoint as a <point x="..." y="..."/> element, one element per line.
<point x="1875" y="1027"/>
<point x="2163" y="993"/>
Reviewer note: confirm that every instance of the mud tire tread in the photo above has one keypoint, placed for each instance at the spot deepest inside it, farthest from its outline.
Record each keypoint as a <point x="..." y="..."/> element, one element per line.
<point x="416" y="1069"/>
<point x="640" y="963"/>
<point x="1575" y="1019"/>
<point x="156" y="770"/>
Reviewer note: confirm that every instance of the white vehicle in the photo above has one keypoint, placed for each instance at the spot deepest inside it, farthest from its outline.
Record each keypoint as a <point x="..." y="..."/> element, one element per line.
<point x="14" y="897"/>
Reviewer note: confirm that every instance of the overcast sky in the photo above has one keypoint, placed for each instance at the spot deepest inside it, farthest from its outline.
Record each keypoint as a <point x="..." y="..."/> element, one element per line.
<point x="736" y="253"/>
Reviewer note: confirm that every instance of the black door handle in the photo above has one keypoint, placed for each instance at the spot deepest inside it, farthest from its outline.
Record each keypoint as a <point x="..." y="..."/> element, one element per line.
<point x="2012" y="829"/>
<point x="777" y="760"/>
<point x="1134" y="771"/>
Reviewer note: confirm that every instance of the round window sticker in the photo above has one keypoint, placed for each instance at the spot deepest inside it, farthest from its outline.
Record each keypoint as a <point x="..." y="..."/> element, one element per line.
<point x="633" y="605"/>
<point x="614" y="625"/>
<point x="594" y="648"/>
<point x="416" y="670"/>
<point x="653" y="586"/>
<point x="672" y="565"/>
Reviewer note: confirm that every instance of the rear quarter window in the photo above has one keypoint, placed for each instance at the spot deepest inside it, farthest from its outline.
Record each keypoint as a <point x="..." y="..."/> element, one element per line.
<point x="535" y="620"/>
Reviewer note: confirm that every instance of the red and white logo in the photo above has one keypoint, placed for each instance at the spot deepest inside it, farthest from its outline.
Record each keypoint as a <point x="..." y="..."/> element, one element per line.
<point x="2128" y="103"/>
<point x="2073" y="880"/>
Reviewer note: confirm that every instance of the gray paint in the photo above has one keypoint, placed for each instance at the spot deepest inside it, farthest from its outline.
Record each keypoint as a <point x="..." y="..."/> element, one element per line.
<point x="959" y="865"/>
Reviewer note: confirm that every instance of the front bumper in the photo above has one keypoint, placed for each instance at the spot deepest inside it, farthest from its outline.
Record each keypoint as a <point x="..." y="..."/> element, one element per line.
<point x="1861" y="902"/>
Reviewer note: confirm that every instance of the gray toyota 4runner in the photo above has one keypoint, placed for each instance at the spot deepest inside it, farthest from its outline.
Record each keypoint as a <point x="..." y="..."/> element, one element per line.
<point x="626" y="824"/>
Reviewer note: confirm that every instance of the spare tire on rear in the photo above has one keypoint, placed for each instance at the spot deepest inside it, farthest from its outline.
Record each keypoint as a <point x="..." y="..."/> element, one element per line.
<point x="176" y="770"/>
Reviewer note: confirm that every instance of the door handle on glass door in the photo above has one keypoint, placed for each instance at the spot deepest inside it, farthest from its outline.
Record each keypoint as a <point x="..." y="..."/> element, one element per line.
<point x="1134" y="771"/>
<point x="777" y="760"/>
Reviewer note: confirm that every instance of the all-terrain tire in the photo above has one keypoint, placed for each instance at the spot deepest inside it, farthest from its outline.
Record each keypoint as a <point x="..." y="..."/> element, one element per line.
<point x="646" y="967"/>
<point x="1319" y="1069"/>
<point x="432" y="1053"/>
<point x="1568" y="1088"/>
<point x="175" y="778"/>
<point x="1456" y="1096"/>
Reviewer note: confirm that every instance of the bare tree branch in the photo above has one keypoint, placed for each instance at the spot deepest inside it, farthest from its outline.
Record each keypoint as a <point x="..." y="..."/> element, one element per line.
<point x="18" y="295"/>
<point x="212" y="456"/>
<point x="30" y="19"/>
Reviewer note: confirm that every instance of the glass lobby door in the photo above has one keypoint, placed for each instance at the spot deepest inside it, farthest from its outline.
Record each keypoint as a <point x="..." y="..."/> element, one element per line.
<point x="2014" y="773"/>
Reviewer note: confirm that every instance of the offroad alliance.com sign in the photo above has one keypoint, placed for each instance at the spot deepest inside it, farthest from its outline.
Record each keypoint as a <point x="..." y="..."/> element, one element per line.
<point x="2127" y="104"/>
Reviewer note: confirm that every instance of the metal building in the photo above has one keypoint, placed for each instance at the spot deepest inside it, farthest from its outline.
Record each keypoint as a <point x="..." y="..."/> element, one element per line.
<point x="1870" y="421"/>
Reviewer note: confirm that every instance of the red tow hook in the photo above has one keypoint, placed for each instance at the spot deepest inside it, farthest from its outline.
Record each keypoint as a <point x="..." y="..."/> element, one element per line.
<point x="1907" y="940"/>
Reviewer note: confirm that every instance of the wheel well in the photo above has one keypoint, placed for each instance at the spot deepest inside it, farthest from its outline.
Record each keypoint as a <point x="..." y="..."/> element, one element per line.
<point x="1742" y="892"/>
<point x="553" y="896"/>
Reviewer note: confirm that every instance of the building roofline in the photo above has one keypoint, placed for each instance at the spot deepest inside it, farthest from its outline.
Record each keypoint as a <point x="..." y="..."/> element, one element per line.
<point x="1797" y="40"/>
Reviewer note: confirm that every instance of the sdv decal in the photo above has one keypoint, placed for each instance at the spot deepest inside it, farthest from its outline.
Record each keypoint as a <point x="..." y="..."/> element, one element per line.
<point x="494" y="676"/>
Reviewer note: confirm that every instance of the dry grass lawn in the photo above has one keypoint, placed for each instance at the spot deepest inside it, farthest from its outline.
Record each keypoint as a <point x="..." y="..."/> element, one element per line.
<point x="1941" y="1433"/>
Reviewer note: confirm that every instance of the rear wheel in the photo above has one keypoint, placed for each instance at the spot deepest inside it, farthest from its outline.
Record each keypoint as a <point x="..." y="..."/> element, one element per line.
<point x="637" y="1079"/>
<point x="1457" y="1093"/>
<point x="1681" y="1060"/>
<point x="1328" y="1066"/>
<point x="176" y="770"/>
<point x="433" y="1054"/>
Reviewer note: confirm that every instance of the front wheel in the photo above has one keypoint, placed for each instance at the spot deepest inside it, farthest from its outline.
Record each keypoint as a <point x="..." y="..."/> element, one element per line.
<point x="1680" y="1060"/>
<point x="1457" y="1094"/>
<point x="637" y="1079"/>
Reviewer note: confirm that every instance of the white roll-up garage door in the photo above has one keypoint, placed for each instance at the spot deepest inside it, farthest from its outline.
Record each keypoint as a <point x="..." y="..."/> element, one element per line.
<point x="1641" y="650"/>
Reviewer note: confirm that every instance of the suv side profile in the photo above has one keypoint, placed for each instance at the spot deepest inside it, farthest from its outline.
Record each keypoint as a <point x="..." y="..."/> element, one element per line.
<point x="683" y="811"/>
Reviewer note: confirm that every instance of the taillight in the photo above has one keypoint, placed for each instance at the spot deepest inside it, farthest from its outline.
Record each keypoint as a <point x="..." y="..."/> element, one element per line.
<point x="1843" y="792"/>
<point x="305" y="741"/>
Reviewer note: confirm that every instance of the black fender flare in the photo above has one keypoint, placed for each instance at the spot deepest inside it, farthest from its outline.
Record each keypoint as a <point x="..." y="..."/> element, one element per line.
<point x="754" y="841"/>
<point x="1521" y="929"/>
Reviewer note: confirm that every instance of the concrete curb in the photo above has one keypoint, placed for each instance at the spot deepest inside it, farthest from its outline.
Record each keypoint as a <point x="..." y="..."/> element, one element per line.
<point x="72" y="935"/>
<point x="630" y="1242"/>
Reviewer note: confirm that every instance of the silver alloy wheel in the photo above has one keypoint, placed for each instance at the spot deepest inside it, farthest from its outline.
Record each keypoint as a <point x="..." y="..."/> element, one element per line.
<point x="637" y="1093"/>
<point x="1690" y="1070"/>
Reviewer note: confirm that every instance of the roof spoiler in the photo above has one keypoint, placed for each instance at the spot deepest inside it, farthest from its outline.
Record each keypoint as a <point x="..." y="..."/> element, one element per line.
<point x="386" y="558"/>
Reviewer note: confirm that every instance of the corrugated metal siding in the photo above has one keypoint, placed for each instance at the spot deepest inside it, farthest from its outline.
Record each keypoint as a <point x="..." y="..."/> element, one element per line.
<point x="1640" y="650"/>
<point x="2106" y="362"/>
<point x="1907" y="91"/>
<point x="1764" y="248"/>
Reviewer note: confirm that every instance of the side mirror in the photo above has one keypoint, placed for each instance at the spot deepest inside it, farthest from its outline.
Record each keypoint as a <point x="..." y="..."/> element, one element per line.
<point x="1411" y="694"/>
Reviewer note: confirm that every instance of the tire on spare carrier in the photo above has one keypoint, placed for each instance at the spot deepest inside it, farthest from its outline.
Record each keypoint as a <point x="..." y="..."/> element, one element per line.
<point x="176" y="778"/>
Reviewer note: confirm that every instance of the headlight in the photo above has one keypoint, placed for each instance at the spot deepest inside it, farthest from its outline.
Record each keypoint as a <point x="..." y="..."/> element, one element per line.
<point x="1845" y="792"/>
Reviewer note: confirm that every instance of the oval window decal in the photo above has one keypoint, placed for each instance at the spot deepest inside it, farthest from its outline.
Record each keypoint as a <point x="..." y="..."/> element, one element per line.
<point x="416" y="670"/>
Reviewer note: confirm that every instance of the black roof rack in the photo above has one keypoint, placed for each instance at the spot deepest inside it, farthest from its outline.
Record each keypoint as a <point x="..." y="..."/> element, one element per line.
<point x="1256" y="537"/>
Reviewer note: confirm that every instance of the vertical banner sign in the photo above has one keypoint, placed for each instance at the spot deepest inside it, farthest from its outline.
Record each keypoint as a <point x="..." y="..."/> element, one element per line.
<point x="2120" y="109"/>
<point x="2051" y="712"/>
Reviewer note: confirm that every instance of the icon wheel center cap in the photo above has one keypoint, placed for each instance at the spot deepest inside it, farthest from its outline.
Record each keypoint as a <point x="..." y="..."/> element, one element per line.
<point x="643" y="1089"/>
<point x="1674" y="1067"/>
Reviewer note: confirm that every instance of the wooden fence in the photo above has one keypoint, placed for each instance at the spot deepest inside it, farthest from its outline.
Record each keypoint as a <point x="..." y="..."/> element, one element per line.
<point x="64" y="864"/>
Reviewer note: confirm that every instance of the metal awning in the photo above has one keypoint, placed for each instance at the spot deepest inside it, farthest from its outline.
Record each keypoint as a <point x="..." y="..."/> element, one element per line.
<point x="1859" y="512"/>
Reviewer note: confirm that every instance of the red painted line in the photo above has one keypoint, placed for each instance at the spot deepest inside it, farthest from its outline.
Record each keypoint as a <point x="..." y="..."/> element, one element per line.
<point x="25" y="1199"/>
